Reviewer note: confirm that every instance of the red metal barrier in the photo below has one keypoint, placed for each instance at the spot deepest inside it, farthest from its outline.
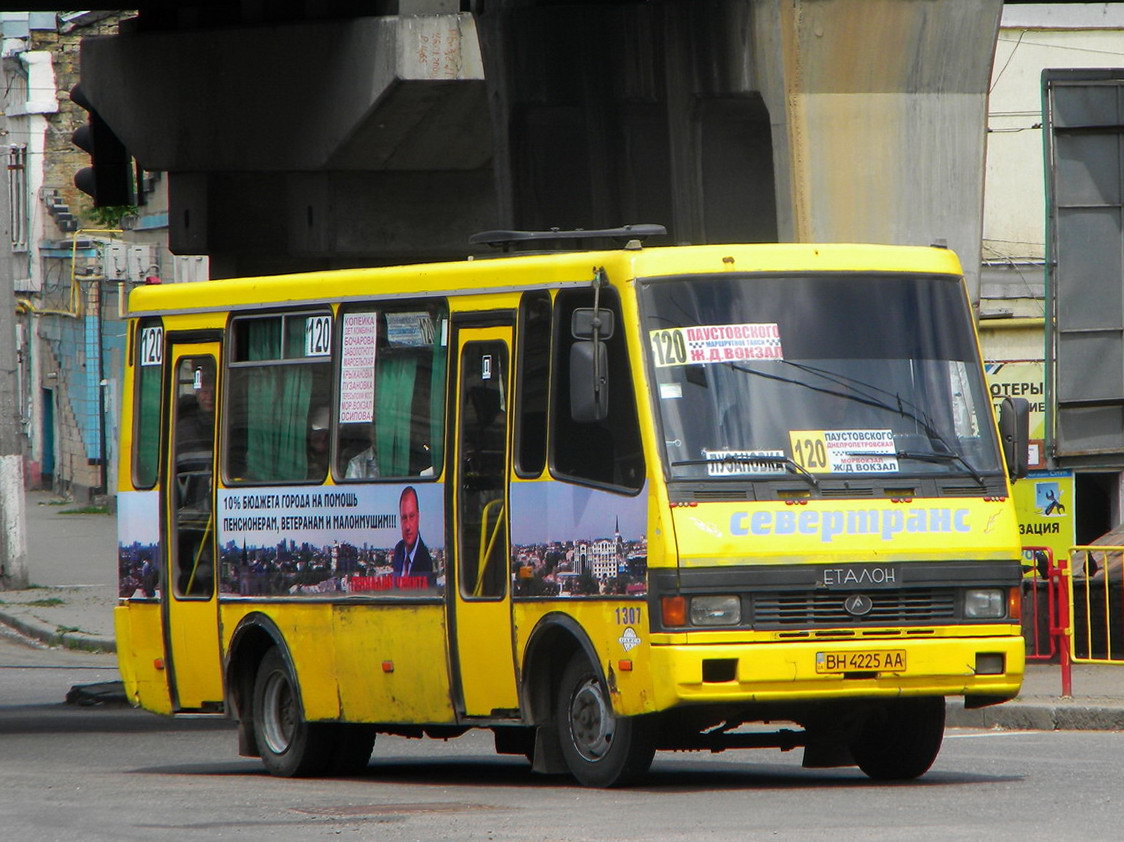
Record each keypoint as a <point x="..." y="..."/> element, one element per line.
<point x="1047" y="637"/>
<point x="1060" y="578"/>
<point x="1040" y="605"/>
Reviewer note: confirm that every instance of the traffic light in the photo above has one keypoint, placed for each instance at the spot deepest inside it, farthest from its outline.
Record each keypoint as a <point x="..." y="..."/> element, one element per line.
<point x="109" y="179"/>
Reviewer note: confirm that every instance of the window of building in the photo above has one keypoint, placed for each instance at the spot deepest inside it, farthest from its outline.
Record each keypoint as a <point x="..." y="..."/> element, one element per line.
<point x="391" y="397"/>
<point x="278" y="398"/>
<point x="606" y="452"/>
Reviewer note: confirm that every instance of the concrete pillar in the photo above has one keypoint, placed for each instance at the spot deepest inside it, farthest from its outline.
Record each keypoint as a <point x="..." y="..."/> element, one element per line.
<point x="880" y="110"/>
<point x="13" y="530"/>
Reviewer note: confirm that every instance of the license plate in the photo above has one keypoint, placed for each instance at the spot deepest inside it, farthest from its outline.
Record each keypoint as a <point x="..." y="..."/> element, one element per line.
<point x="865" y="660"/>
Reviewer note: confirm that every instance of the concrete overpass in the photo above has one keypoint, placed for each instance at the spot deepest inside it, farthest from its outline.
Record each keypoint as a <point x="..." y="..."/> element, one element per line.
<point x="379" y="132"/>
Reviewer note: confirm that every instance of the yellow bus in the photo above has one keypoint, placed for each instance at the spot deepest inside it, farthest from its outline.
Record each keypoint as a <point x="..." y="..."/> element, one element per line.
<point x="602" y="503"/>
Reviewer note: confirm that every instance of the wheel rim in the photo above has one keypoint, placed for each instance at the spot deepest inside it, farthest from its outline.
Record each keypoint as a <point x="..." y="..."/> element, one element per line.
<point x="591" y="721"/>
<point x="279" y="713"/>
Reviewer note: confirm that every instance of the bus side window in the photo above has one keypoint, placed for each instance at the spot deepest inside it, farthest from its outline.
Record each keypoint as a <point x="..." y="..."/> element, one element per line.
<point x="607" y="452"/>
<point x="532" y="381"/>
<point x="148" y="387"/>
<point x="278" y="393"/>
<point x="392" y="391"/>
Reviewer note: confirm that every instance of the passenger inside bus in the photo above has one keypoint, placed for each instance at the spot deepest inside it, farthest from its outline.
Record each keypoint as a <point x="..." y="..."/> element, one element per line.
<point x="318" y="443"/>
<point x="363" y="465"/>
<point x="195" y="440"/>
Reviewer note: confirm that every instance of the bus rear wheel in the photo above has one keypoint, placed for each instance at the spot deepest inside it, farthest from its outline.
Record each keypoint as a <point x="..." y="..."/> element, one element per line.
<point x="600" y="748"/>
<point x="290" y="747"/>
<point x="901" y="740"/>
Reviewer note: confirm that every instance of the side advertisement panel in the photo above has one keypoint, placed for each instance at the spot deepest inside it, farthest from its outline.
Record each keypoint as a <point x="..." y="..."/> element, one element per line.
<point x="572" y="541"/>
<point x="285" y="541"/>
<point x="138" y="545"/>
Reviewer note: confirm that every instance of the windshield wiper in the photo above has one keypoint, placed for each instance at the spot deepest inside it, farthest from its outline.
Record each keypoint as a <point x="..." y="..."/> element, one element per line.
<point x="926" y="456"/>
<point x="903" y="409"/>
<point x="951" y="456"/>
<point x="736" y="459"/>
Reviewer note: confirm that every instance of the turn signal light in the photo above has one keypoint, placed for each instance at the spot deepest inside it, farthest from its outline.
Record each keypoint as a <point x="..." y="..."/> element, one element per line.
<point x="673" y="611"/>
<point x="1015" y="604"/>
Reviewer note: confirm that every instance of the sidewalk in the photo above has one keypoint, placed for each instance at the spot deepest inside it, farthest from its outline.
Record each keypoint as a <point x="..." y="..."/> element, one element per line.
<point x="72" y="561"/>
<point x="72" y="570"/>
<point x="1097" y="703"/>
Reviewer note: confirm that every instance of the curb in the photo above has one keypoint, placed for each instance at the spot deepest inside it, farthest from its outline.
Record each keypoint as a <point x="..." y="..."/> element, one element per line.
<point x="53" y="637"/>
<point x="1038" y="715"/>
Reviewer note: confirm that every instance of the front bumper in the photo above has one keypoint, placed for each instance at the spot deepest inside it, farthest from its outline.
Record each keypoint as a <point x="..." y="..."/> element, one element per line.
<point x="786" y="671"/>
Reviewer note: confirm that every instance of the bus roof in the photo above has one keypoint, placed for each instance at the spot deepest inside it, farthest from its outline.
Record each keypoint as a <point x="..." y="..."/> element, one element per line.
<point x="500" y="274"/>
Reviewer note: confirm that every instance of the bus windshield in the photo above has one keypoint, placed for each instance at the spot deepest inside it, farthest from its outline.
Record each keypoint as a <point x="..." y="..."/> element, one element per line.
<point x="817" y="374"/>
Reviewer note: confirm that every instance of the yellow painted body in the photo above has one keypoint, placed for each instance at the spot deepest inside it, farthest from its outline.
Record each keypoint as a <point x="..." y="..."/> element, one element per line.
<point x="339" y="651"/>
<point x="140" y="655"/>
<point x="377" y="661"/>
<point x="778" y="672"/>
<point x="815" y="531"/>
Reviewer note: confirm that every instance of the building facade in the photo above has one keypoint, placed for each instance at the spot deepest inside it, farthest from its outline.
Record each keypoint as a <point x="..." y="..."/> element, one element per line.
<point x="70" y="266"/>
<point x="1032" y="287"/>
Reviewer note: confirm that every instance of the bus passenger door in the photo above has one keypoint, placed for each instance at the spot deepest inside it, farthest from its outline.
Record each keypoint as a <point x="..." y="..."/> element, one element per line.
<point x="191" y="622"/>
<point x="480" y="596"/>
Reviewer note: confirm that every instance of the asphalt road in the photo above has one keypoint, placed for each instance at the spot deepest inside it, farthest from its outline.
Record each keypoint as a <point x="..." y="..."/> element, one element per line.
<point x="112" y="773"/>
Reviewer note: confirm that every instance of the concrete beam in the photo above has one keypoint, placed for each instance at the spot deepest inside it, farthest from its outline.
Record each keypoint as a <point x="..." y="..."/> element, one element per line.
<point x="263" y="223"/>
<point x="365" y="94"/>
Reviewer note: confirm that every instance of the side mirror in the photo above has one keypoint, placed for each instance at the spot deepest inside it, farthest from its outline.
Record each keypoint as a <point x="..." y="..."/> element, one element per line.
<point x="584" y="319"/>
<point x="589" y="381"/>
<point x="1014" y="433"/>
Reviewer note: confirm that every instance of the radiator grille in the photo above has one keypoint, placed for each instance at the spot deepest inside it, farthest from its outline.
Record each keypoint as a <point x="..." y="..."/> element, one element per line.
<point x="814" y="609"/>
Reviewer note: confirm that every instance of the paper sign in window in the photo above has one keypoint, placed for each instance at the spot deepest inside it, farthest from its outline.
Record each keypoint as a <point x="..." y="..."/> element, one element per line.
<point x="844" y="451"/>
<point x="710" y="344"/>
<point x="357" y="368"/>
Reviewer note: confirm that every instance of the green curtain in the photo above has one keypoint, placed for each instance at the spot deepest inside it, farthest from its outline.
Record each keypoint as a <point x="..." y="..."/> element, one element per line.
<point x="147" y="445"/>
<point x="277" y="405"/>
<point x="393" y="404"/>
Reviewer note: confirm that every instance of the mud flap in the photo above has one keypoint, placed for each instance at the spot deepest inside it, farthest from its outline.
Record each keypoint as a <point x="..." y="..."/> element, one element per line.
<point x="247" y="740"/>
<point x="548" y="752"/>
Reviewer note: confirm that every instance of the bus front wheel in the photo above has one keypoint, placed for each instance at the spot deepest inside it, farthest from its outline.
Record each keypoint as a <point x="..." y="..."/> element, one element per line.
<point x="901" y="740"/>
<point x="290" y="747"/>
<point x="600" y="748"/>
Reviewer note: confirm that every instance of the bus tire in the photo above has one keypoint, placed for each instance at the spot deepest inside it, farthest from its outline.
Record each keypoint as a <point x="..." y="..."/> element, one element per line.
<point x="351" y="749"/>
<point x="600" y="748"/>
<point x="901" y="740"/>
<point x="290" y="747"/>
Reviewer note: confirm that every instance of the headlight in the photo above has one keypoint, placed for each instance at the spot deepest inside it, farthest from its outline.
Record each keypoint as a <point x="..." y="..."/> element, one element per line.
<point x="715" y="611"/>
<point x="985" y="604"/>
